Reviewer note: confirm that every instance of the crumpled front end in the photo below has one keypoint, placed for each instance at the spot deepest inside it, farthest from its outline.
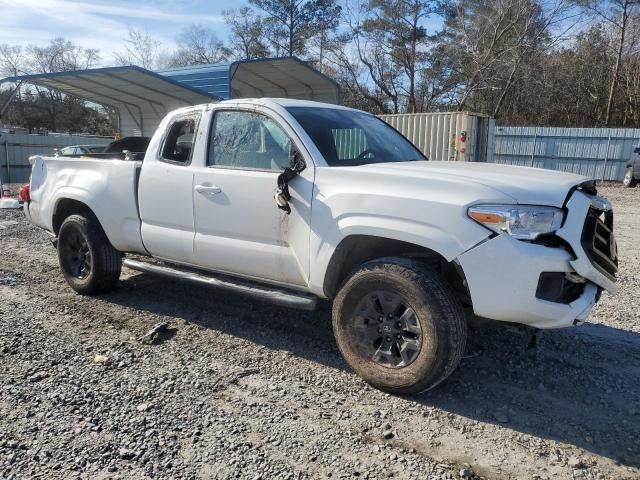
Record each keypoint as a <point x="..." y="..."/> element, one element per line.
<point x="552" y="282"/>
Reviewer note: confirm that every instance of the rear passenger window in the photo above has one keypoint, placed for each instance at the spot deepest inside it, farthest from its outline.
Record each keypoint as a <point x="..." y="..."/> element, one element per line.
<point x="248" y="140"/>
<point x="178" y="143"/>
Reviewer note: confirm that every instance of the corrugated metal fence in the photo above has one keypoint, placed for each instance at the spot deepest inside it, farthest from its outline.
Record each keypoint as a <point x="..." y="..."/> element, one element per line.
<point x="437" y="135"/>
<point x="600" y="153"/>
<point x="15" y="150"/>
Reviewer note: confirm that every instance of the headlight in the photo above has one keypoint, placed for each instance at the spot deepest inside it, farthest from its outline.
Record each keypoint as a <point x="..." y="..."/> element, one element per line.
<point x="524" y="222"/>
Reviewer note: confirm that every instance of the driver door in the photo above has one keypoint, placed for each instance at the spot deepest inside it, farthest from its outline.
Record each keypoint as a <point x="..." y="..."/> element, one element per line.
<point x="238" y="227"/>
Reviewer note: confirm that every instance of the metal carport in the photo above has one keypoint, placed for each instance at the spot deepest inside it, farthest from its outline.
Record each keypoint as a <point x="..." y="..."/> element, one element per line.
<point x="143" y="97"/>
<point x="287" y="77"/>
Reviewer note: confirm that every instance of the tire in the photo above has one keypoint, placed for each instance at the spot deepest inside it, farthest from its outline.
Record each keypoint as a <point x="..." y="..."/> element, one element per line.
<point x="629" y="181"/>
<point x="87" y="259"/>
<point x="415" y="296"/>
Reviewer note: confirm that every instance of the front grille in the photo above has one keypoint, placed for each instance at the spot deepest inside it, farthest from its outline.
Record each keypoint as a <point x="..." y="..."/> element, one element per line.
<point x="599" y="242"/>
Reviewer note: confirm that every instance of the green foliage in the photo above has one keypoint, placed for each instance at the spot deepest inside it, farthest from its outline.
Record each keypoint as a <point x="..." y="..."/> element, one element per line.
<point x="291" y="23"/>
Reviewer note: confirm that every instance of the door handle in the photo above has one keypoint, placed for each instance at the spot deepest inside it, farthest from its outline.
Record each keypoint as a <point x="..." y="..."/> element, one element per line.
<point x="206" y="189"/>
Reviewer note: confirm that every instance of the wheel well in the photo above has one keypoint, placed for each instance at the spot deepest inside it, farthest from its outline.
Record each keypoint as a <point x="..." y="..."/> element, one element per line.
<point x="67" y="207"/>
<point x="356" y="250"/>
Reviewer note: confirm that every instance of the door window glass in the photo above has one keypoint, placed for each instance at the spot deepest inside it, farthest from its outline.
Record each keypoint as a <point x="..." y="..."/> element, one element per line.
<point x="179" y="141"/>
<point x="248" y="140"/>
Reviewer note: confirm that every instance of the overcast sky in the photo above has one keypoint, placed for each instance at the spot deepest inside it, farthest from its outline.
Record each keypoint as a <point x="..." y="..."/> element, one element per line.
<point x="103" y="24"/>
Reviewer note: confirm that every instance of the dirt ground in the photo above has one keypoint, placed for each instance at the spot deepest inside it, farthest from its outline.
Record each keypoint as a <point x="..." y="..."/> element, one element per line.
<point x="241" y="389"/>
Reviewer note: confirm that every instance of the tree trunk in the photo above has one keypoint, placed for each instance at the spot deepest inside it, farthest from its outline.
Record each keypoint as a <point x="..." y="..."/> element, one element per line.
<point x="506" y="88"/>
<point x="291" y="30"/>
<point x="616" y="68"/>
<point x="412" y="67"/>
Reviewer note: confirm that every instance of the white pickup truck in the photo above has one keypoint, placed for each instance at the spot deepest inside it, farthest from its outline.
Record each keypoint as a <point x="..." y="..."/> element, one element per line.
<point x="294" y="201"/>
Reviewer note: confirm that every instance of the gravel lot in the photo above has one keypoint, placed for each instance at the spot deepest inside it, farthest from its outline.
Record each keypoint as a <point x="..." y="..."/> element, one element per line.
<point x="240" y="389"/>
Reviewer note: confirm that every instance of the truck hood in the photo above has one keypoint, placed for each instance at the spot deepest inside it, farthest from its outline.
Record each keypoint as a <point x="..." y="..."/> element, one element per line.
<point x="525" y="185"/>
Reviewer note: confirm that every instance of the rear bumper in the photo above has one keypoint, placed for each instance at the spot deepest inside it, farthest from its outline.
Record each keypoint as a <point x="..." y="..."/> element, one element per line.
<point x="503" y="275"/>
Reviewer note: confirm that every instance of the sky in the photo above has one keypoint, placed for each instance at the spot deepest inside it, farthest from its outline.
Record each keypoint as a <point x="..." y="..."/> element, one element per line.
<point x="103" y="24"/>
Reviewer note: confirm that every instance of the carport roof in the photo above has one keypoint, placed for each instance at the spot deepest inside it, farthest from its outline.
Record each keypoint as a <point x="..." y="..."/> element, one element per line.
<point x="143" y="97"/>
<point x="128" y="84"/>
<point x="287" y="77"/>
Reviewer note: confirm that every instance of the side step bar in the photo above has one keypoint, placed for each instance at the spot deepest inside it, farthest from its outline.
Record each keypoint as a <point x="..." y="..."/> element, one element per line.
<point x="265" y="293"/>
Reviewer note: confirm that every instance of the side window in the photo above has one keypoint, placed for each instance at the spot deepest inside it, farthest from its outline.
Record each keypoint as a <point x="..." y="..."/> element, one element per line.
<point x="247" y="140"/>
<point x="179" y="140"/>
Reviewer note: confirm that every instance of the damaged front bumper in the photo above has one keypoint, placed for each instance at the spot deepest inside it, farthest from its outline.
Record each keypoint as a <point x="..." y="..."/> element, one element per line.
<point x="505" y="276"/>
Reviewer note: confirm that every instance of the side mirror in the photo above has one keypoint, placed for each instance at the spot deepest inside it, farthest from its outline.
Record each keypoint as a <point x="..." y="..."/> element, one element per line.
<point x="637" y="150"/>
<point x="296" y="161"/>
<point x="296" y="165"/>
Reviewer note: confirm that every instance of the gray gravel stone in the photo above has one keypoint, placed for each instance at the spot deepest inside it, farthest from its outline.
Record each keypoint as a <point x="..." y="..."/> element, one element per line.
<point x="248" y="390"/>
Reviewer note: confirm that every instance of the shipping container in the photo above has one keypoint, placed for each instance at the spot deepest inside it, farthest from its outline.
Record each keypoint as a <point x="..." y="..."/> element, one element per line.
<point x="452" y="136"/>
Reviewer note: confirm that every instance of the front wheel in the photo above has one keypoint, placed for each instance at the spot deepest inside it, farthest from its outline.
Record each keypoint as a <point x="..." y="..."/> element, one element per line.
<point x="399" y="326"/>
<point x="629" y="181"/>
<point x="88" y="261"/>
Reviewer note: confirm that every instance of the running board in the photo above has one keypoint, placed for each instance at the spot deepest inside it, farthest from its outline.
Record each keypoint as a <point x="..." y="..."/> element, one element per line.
<point x="273" y="295"/>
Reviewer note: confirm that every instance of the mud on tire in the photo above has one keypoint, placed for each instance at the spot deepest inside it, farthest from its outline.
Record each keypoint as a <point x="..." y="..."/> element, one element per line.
<point x="417" y="335"/>
<point x="87" y="259"/>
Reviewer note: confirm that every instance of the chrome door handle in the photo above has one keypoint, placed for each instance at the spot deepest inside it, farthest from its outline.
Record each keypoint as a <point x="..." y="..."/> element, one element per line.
<point x="210" y="189"/>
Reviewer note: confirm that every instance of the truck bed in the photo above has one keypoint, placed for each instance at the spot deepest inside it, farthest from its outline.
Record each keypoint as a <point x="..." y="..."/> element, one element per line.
<point x="108" y="186"/>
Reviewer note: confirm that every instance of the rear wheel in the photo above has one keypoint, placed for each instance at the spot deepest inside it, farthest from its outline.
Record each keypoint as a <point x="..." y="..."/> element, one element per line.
<point x="88" y="261"/>
<point x="629" y="181"/>
<point x="399" y="326"/>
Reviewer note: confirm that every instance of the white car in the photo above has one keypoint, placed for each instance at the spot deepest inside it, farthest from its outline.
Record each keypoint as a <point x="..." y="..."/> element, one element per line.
<point x="293" y="201"/>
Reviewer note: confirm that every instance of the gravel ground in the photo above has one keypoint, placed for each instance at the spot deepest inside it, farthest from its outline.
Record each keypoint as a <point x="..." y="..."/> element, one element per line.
<point x="240" y="389"/>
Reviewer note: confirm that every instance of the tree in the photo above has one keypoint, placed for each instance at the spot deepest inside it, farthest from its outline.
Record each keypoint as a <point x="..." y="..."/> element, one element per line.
<point x="11" y="65"/>
<point x="59" y="56"/>
<point x="327" y="18"/>
<point x="39" y="107"/>
<point x="487" y="45"/>
<point x="11" y="60"/>
<point x="618" y="14"/>
<point x="291" y="23"/>
<point x="630" y="75"/>
<point x="391" y="47"/>
<point x="248" y="36"/>
<point x="198" y="45"/>
<point x="140" y="48"/>
<point x="574" y="90"/>
<point x="398" y="27"/>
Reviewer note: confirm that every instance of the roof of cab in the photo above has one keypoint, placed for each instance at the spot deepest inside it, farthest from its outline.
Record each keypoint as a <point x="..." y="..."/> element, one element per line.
<point x="282" y="102"/>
